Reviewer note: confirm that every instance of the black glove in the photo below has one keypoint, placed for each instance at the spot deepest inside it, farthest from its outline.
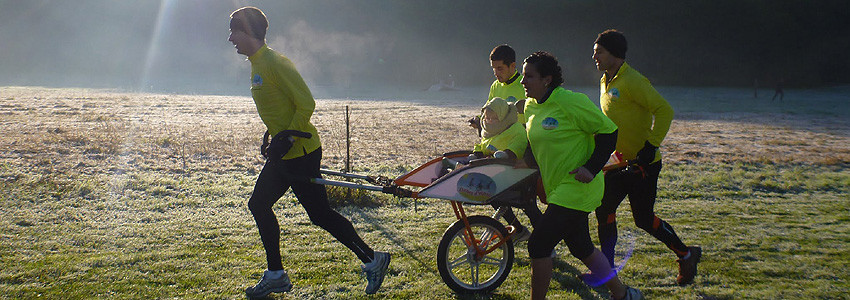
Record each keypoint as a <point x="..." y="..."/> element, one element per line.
<point x="475" y="122"/>
<point x="264" y="149"/>
<point x="279" y="146"/>
<point x="520" y="106"/>
<point x="282" y="142"/>
<point x="646" y="155"/>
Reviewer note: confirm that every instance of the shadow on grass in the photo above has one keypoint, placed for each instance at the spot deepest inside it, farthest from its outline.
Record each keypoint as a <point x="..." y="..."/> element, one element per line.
<point x="565" y="275"/>
<point x="567" y="278"/>
<point x="423" y="263"/>
<point x="483" y="296"/>
<point x="399" y="241"/>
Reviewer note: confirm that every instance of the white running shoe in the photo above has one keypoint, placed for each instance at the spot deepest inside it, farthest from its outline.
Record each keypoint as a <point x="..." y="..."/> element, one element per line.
<point x="269" y="284"/>
<point x="375" y="271"/>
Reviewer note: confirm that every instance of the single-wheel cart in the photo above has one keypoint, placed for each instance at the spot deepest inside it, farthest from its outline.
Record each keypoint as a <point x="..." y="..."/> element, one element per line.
<point x="475" y="254"/>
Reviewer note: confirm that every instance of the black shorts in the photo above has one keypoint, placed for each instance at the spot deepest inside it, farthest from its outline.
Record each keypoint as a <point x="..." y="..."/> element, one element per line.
<point x="561" y="223"/>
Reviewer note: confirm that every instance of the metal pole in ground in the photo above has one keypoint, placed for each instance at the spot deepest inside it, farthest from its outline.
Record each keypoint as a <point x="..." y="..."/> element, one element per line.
<point x="347" y="143"/>
<point x="347" y="147"/>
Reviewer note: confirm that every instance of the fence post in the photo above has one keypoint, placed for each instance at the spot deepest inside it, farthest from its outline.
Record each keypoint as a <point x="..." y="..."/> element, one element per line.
<point x="347" y="147"/>
<point x="347" y="143"/>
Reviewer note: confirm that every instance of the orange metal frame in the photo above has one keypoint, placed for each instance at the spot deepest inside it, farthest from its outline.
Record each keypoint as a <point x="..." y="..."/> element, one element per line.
<point x="470" y="239"/>
<point x="403" y="179"/>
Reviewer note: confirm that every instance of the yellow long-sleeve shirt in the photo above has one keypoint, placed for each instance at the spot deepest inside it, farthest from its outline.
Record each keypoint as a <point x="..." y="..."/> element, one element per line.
<point x="283" y="100"/>
<point x="632" y="103"/>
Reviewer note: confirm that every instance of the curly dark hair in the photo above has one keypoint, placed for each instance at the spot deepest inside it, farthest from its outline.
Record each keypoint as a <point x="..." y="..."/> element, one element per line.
<point x="547" y="65"/>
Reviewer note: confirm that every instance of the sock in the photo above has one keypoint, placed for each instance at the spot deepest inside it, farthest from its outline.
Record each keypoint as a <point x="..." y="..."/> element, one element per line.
<point x="370" y="263"/>
<point x="275" y="274"/>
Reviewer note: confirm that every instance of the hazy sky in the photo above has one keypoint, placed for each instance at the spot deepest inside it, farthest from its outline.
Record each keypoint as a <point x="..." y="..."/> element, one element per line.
<point x="181" y="45"/>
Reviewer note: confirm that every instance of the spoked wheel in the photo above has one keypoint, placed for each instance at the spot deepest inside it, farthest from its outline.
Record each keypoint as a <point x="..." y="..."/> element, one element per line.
<point x="463" y="268"/>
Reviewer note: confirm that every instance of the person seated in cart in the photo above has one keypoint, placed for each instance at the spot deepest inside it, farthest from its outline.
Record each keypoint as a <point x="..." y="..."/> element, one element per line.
<point x="503" y="137"/>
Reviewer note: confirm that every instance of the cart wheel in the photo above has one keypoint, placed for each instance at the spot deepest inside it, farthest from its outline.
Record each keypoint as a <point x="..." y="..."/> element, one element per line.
<point x="459" y="267"/>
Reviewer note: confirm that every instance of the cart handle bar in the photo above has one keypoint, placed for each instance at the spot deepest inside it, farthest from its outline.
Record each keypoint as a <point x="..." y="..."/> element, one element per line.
<point x="389" y="189"/>
<point x="377" y="180"/>
<point x="343" y="174"/>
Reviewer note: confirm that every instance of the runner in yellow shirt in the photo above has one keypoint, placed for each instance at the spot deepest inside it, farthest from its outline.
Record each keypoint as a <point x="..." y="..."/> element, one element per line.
<point x="644" y="118"/>
<point x="507" y="86"/>
<point x="294" y="155"/>
<point x="571" y="141"/>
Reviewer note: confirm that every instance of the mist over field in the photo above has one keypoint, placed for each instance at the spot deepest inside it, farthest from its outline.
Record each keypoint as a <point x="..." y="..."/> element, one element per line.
<point x="180" y="46"/>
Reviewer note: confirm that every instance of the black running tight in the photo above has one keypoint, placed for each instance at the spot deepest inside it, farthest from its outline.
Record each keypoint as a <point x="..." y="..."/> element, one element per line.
<point x="274" y="180"/>
<point x="641" y="189"/>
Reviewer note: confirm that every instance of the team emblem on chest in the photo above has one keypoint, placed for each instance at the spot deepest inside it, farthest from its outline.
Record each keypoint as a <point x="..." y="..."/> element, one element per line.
<point x="549" y="123"/>
<point x="256" y="81"/>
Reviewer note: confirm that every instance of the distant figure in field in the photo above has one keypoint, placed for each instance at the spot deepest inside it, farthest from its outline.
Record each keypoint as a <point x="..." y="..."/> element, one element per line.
<point x="285" y="104"/>
<point x="443" y="85"/>
<point x="755" y="88"/>
<point x="778" y="91"/>
<point x="632" y="103"/>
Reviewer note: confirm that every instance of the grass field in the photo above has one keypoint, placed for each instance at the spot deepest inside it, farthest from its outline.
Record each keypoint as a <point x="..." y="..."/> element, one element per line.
<point x="138" y="196"/>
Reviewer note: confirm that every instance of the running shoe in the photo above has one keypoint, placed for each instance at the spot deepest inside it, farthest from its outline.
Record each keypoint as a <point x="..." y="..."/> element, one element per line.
<point x="632" y="294"/>
<point x="375" y="271"/>
<point x="688" y="267"/>
<point x="269" y="284"/>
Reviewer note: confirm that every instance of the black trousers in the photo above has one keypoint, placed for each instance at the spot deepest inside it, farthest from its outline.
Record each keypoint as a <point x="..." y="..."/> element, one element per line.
<point x="274" y="180"/>
<point x="641" y="189"/>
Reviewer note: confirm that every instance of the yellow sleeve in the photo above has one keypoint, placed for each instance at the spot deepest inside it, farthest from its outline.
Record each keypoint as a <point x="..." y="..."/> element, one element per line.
<point x="586" y="115"/>
<point x="646" y="95"/>
<point x="294" y="85"/>
<point x="491" y="94"/>
<point x="519" y="140"/>
<point x="479" y="147"/>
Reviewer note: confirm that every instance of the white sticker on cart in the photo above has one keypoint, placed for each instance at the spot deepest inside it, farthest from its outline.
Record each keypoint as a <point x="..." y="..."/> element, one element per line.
<point x="476" y="187"/>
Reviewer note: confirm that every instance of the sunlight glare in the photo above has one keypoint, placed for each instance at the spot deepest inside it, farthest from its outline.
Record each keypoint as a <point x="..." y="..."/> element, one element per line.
<point x="166" y="7"/>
